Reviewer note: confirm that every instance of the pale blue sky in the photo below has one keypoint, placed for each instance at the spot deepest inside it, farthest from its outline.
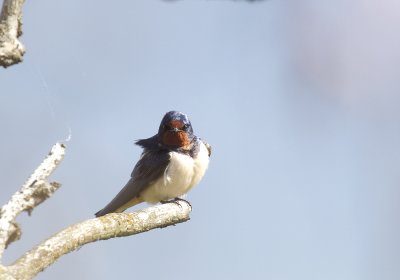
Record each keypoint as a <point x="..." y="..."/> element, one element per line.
<point x="300" y="102"/>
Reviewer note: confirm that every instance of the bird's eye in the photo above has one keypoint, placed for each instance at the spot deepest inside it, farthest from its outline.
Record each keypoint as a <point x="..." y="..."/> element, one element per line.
<point x="185" y="127"/>
<point x="166" y="127"/>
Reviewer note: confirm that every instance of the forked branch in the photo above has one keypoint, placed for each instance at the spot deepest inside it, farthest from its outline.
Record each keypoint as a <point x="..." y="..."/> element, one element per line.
<point x="37" y="189"/>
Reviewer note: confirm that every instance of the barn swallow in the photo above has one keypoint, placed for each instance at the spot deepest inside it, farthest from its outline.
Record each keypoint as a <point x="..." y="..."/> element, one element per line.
<point x="172" y="162"/>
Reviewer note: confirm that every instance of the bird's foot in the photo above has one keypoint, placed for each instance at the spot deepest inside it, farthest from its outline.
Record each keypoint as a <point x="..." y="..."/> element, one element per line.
<point x="175" y="200"/>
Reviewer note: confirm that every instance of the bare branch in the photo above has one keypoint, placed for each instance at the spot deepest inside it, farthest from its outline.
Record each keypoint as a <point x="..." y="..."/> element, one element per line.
<point x="35" y="190"/>
<point x="102" y="228"/>
<point x="11" y="49"/>
<point x="4" y="274"/>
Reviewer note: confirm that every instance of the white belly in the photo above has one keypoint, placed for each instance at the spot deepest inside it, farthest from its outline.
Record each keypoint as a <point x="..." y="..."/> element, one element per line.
<point x="182" y="173"/>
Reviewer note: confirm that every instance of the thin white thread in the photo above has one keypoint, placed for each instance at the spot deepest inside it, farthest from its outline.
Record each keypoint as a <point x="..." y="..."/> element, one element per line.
<point x="48" y="98"/>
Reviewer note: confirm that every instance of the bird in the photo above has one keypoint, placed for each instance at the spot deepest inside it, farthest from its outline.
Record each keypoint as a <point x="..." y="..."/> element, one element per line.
<point x="172" y="162"/>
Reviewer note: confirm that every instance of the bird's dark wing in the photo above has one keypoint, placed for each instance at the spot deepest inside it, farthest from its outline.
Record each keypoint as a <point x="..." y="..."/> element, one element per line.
<point x="149" y="168"/>
<point x="151" y="143"/>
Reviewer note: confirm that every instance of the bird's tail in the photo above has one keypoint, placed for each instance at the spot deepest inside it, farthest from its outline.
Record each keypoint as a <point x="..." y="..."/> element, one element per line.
<point x="112" y="208"/>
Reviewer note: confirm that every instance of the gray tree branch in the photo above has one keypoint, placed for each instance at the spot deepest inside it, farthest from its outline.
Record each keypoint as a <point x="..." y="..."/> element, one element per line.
<point x="106" y="227"/>
<point x="11" y="49"/>
<point x="36" y="189"/>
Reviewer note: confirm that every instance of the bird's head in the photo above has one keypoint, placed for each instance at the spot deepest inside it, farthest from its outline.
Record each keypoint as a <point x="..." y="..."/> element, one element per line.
<point x="175" y="130"/>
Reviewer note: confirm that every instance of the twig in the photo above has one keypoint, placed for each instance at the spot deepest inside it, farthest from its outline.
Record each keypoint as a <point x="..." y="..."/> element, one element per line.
<point x="105" y="227"/>
<point x="35" y="190"/>
<point x="11" y="49"/>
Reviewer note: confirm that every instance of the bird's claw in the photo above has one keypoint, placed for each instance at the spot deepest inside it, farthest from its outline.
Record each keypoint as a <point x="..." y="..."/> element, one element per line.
<point x="175" y="200"/>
